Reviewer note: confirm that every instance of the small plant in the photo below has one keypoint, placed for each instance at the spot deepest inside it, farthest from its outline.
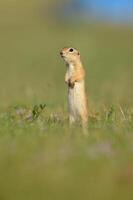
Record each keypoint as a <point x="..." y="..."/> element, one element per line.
<point x="37" y="110"/>
<point x="110" y="116"/>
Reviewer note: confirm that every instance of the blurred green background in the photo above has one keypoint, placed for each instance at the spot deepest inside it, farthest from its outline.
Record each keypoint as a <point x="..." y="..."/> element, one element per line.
<point x="31" y="69"/>
<point x="44" y="159"/>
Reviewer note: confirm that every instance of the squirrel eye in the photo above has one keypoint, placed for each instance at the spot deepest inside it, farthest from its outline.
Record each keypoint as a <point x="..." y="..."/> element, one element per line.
<point x="71" y="50"/>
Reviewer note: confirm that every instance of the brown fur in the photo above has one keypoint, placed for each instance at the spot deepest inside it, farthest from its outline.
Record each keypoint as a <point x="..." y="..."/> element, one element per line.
<point x="74" y="78"/>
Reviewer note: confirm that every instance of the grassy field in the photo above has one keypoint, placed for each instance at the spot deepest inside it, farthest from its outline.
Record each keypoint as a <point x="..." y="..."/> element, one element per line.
<point x="40" y="157"/>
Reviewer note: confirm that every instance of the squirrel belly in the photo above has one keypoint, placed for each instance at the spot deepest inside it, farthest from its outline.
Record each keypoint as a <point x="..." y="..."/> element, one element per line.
<point x="77" y="100"/>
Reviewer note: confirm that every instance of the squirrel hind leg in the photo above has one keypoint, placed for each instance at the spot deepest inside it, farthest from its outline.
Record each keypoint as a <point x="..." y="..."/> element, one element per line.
<point x="84" y="119"/>
<point x="85" y="127"/>
<point x="71" y="119"/>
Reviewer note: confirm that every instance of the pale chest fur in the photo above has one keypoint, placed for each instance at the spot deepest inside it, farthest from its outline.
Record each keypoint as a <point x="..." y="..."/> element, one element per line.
<point x="70" y="70"/>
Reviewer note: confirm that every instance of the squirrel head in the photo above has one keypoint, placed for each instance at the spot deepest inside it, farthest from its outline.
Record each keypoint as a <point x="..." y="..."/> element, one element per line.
<point x="70" y="55"/>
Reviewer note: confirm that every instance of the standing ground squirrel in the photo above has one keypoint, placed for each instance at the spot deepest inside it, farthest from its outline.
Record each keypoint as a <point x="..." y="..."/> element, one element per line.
<point x="75" y="75"/>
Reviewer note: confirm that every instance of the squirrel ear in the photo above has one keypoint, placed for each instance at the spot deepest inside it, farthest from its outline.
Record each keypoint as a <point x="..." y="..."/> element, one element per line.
<point x="78" y="53"/>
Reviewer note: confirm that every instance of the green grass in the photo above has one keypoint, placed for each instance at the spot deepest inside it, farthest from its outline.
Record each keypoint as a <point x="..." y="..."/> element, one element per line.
<point x="40" y="156"/>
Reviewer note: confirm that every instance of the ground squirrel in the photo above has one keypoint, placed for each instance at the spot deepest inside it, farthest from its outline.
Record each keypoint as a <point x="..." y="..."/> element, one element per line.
<point x="75" y="79"/>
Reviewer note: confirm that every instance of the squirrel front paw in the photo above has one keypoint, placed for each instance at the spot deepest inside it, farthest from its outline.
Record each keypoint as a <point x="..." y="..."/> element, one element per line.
<point x="71" y="83"/>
